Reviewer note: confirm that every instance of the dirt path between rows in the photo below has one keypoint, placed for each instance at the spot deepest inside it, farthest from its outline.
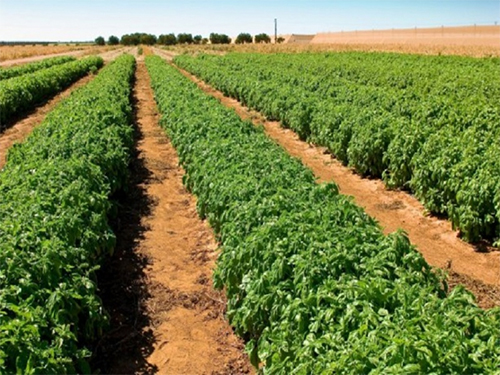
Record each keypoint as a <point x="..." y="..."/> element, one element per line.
<point x="166" y="316"/>
<point x="434" y="238"/>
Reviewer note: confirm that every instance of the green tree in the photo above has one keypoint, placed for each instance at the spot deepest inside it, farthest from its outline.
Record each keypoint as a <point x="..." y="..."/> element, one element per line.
<point x="130" y="40"/>
<point x="262" y="38"/>
<point x="167" y="39"/>
<point x="100" y="41"/>
<point x="184" y="38"/>
<point x="113" y="40"/>
<point x="219" y="38"/>
<point x="197" y="39"/>
<point x="244" y="38"/>
<point x="148" y="39"/>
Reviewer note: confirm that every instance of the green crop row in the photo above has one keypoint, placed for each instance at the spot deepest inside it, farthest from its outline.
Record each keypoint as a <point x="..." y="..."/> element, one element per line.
<point x="33" y="67"/>
<point x="313" y="284"/>
<point x="424" y="123"/>
<point x="54" y="207"/>
<point x="24" y="92"/>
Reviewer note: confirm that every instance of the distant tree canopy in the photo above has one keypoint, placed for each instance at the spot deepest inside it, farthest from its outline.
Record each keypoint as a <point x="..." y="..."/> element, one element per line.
<point x="262" y="38"/>
<point x="129" y="40"/>
<point x="197" y="39"/>
<point x="138" y="38"/>
<point x="135" y="39"/>
<point x="113" y="40"/>
<point x="99" y="41"/>
<point x="167" y="39"/>
<point x="185" y="38"/>
<point x="280" y="39"/>
<point x="219" y="38"/>
<point x="244" y="38"/>
<point x="148" y="39"/>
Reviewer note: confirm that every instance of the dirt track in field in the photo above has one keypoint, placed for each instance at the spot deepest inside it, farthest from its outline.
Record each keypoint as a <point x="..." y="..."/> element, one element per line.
<point x="476" y="268"/>
<point x="166" y="316"/>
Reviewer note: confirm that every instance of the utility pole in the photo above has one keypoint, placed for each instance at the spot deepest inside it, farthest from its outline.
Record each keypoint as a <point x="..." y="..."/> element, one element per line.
<point x="275" y="31"/>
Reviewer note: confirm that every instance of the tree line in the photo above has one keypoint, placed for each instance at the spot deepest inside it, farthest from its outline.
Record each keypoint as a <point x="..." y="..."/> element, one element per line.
<point x="182" y="38"/>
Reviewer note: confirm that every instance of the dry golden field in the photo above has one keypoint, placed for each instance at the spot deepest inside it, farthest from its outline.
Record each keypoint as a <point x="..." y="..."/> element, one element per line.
<point x="17" y="52"/>
<point x="479" y="41"/>
<point x="469" y="40"/>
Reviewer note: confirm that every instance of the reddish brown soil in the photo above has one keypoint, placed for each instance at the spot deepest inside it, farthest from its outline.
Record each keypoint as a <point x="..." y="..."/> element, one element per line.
<point x="166" y="316"/>
<point x="24" y="126"/>
<point x="478" y="270"/>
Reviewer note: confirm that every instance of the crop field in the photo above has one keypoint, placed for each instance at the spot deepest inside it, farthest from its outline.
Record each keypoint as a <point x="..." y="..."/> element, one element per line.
<point x="425" y="124"/>
<point x="153" y="221"/>
<point x="24" y="91"/>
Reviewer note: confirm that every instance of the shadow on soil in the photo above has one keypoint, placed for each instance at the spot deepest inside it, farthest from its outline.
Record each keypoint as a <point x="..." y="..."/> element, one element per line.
<point x="123" y="283"/>
<point x="18" y="117"/>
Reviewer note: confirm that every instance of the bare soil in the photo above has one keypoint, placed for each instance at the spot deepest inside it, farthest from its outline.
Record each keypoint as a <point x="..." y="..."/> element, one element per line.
<point x="476" y="267"/>
<point x="166" y="316"/>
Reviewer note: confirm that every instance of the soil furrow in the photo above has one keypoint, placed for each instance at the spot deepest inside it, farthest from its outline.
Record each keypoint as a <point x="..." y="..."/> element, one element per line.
<point x="476" y="268"/>
<point x="165" y="315"/>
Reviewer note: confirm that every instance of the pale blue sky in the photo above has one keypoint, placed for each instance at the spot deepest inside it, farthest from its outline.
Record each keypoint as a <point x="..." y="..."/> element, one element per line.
<point x="62" y="20"/>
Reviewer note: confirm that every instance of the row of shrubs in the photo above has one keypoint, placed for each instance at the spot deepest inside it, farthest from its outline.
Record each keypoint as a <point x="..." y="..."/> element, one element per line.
<point x="54" y="231"/>
<point x="22" y="93"/>
<point x="312" y="283"/>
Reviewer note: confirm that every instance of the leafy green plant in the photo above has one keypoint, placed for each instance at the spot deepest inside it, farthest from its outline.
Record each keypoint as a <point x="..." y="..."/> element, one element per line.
<point x="24" y="92"/>
<point x="419" y="122"/>
<point x="33" y="67"/>
<point x="54" y="231"/>
<point x="312" y="283"/>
